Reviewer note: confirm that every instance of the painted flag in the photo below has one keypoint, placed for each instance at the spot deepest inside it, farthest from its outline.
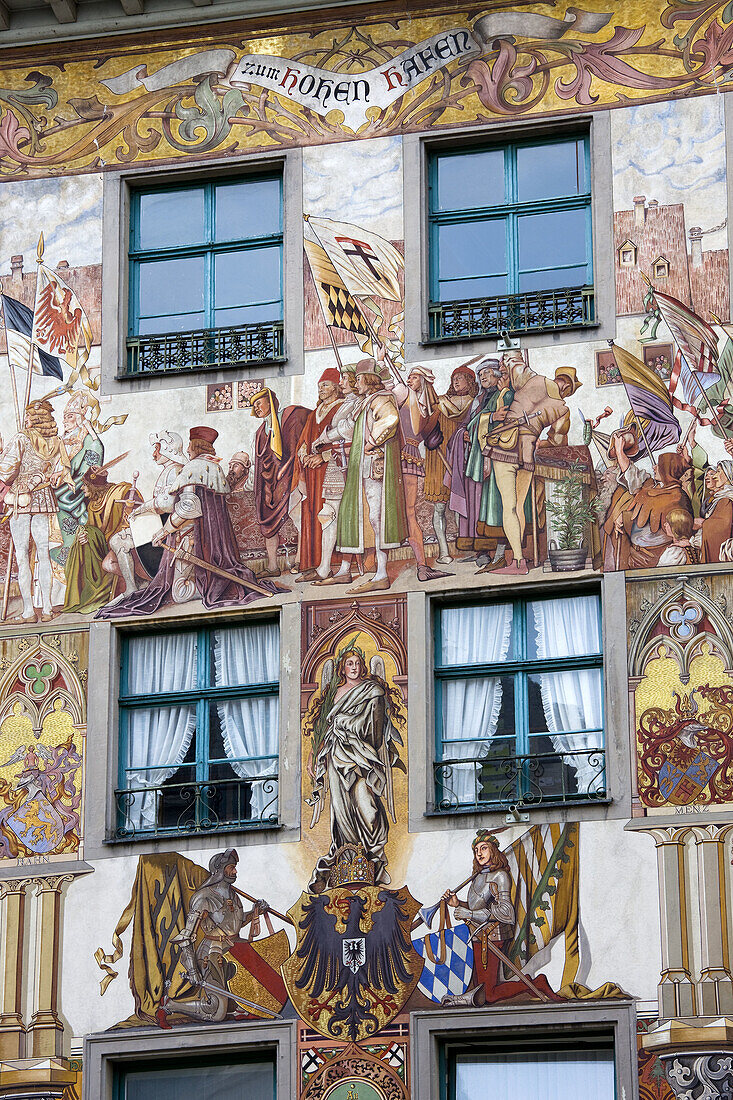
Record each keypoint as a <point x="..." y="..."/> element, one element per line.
<point x="340" y="308"/>
<point x="18" y="320"/>
<point x="650" y="400"/>
<point x="368" y="265"/>
<point x="61" y="326"/>
<point x="694" y="337"/>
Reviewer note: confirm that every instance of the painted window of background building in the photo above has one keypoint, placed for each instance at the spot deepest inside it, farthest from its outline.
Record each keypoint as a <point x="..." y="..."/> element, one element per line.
<point x="519" y="703"/>
<point x="199" y="720"/>
<point x="510" y="238"/>
<point x="205" y="274"/>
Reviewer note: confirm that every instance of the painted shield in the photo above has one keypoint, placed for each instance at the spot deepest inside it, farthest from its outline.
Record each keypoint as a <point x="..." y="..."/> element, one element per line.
<point x="448" y="966"/>
<point x="37" y="824"/>
<point x="353" y="966"/>
<point x="679" y="785"/>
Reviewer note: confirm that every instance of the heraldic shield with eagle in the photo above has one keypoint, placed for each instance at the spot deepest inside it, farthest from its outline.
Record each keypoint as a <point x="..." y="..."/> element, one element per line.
<point x="354" y="965"/>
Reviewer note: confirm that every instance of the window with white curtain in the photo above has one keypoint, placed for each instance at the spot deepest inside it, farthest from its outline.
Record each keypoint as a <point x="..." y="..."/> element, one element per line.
<point x="577" y="1071"/>
<point x="199" y="720"/>
<point x="519" y="702"/>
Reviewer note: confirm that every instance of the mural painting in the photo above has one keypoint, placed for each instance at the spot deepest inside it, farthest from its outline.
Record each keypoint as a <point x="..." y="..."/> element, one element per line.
<point x="42" y="747"/>
<point x="682" y="697"/>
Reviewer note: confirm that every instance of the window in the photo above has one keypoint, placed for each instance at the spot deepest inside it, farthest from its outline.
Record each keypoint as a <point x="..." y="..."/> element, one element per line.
<point x="532" y="1071"/>
<point x="519" y="703"/>
<point x="199" y="714"/>
<point x="205" y="275"/>
<point x="627" y="254"/>
<point x="222" y="1080"/>
<point x="661" y="268"/>
<point x="510" y="239"/>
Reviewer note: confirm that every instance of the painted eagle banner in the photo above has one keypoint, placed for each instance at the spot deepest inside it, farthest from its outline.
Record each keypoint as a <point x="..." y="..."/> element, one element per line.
<point x="161" y="894"/>
<point x="544" y="864"/>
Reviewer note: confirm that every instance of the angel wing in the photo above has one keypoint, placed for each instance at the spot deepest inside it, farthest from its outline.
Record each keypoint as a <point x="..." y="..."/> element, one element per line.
<point x="320" y="950"/>
<point x="17" y="755"/>
<point x="43" y="752"/>
<point x="327" y="673"/>
<point x="376" y="667"/>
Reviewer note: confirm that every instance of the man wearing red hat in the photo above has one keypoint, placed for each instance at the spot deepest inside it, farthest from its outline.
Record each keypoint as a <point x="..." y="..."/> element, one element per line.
<point x="309" y="472"/>
<point x="200" y="552"/>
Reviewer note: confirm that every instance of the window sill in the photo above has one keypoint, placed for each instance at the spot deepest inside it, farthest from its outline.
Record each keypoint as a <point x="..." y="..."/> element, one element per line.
<point x="521" y="808"/>
<point x="182" y="353"/>
<point x="195" y="834"/>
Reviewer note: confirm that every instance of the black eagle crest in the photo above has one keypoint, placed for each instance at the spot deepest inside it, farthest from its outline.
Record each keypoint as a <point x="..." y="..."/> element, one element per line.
<point x="384" y="971"/>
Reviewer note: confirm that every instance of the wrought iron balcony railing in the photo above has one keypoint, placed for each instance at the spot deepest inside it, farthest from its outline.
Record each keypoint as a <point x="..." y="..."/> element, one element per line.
<point x="205" y="349"/>
<point x="204" y="807"/>
<point x="534" y="779"/>
<point x="534" y="311"/>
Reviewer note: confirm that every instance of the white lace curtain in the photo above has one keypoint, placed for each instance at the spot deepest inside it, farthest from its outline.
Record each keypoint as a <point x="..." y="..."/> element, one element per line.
<point x="470" y="707"/>
<point x="158" y="737"/>
<point x="250" y="655"/>
<point x="572" y="700"/>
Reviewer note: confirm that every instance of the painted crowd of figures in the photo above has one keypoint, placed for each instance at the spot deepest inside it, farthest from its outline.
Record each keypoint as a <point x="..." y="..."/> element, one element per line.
<point x="378" y="464"/>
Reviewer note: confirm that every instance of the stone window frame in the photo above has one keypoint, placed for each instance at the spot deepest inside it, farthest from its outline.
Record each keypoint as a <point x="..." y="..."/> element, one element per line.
<point x="430" y="1030"/>
<point x="416" y="151"/>
<point x="105" y="648"/>
<point x="107" y="1051"/>
<point x="115" y="238"/>
<point x="422" y="816"/>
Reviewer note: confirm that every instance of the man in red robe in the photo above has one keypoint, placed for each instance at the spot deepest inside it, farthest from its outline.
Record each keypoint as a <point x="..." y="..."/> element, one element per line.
<point x="309" y="471"/>
<point x="276" y="442"/>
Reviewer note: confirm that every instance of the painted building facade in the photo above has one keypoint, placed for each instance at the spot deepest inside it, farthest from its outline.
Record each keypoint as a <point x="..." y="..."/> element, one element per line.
<point x="366" y="650"/>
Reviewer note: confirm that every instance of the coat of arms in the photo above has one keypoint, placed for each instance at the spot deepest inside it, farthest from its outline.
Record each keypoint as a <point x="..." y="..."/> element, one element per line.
<point x="354" y="965"/>
<point x="685" y="752"/>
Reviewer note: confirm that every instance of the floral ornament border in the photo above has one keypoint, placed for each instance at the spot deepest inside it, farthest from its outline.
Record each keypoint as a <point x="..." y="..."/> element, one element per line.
<point x="42" y="134"/>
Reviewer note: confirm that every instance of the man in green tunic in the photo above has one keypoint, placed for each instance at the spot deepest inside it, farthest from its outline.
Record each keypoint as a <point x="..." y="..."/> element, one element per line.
<point x="373" y="503"/>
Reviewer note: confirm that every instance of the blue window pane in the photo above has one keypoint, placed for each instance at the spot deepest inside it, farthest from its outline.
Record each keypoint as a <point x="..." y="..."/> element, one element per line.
<point x="555" y="278"/>
<point x="171" y="322"/>
<point x="550" y="171"/>
<point x="563" y="627"/>
<point x="171" y="286"/>
<point x="552" y="240"/>
<point x="469" y="249"/>
<point x="171" y="218"/>
<point x="247" y="277"/>
<point x="248" y="208"/>
<point x="470" y="180"/>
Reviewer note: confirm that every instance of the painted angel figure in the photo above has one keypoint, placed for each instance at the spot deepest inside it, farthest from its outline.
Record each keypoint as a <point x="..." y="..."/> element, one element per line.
<point x="354" y="751"/>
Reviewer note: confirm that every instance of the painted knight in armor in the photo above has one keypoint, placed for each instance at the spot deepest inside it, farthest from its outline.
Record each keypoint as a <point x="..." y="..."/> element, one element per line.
<point x="215" y="910"/>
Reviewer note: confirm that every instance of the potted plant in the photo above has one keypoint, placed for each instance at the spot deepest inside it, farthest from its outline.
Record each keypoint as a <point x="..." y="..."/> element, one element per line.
<point x="570" y="513"/>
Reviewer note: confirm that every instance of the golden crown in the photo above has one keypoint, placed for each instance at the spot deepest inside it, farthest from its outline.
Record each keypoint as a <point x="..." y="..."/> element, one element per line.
<point x="352" y="868"/>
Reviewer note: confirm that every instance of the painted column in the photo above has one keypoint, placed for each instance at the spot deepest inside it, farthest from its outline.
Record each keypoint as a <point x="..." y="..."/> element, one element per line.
<point x="715" y="989"/>
<point x="46" y="1029"/>
<point x="676" y="989"/>
<point x="12" y="927"/>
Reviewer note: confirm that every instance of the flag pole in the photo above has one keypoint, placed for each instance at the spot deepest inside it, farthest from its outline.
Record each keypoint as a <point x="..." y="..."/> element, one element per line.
<point x="636" y="417"/>
<point x="39" y="260"/>
<point x="364" y="317"/>
<point x="695" y="379"/>
<point x="325" y="318"/>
